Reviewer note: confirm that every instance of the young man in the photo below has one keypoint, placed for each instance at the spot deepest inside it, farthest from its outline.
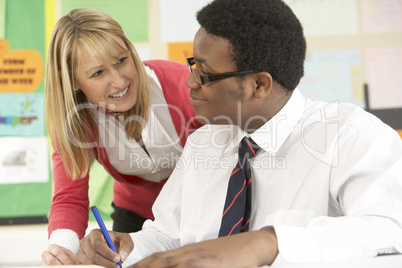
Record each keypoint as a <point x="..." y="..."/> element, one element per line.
<point x="325" y="181"/>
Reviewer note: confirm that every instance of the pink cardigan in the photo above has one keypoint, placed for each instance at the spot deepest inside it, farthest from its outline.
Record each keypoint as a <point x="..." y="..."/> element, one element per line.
<point x="70" y="204"/>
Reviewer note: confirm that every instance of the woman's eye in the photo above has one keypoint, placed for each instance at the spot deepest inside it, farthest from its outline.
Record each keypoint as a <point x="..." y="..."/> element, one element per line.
<point x="122" y="60"/>
<point x="98" y="73"/>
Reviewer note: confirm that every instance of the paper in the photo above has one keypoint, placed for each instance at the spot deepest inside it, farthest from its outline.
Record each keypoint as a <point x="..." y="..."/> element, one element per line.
<point x="381" y="16"/>
<point x="24" y="160"/>
<point x="21" y="70"/>
<point x="144" y="53"/>
<point x="383" y="261"/>
<point x="178" y="21"/>
<point x="333" y="75"/>
<point x="180" y="51"/>
<point x="326" y="17"/>
<point x="131" y="15"/>
<point x="384" y="71"/>
<point x="22" y="114"/>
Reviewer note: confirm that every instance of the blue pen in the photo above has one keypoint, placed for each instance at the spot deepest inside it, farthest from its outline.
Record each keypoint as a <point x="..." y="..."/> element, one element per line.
<point x="104" y="230"/>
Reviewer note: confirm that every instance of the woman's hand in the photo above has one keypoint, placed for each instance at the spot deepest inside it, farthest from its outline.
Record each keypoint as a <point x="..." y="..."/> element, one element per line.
<point x="58" y="255"/>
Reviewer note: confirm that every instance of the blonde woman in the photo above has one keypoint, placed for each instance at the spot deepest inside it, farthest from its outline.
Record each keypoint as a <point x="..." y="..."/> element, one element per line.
<point x="104" y="103"/>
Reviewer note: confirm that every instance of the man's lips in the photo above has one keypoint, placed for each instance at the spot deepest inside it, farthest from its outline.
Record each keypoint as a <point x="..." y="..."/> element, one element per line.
<point x="196" y="101"/>
<point x="196" y="97"/>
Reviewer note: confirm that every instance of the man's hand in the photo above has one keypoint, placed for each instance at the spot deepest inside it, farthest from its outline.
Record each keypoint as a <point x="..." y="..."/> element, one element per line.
<point x="58" y="255"/>
<point x="94" y="249"/>
<point x="251" y="249"/>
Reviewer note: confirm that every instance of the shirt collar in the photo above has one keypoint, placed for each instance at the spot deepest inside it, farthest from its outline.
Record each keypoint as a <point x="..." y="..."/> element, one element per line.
<point x="273" y="133"/>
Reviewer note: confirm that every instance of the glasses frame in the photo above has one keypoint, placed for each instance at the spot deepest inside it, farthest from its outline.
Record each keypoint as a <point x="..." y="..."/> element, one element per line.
<point x="203" y="79"/>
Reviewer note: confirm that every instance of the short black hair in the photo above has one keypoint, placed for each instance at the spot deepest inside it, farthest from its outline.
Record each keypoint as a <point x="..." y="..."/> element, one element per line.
<point x="265" y="36"/>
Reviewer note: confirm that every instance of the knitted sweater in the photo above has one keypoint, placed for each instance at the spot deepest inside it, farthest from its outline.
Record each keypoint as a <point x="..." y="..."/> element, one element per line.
<point x="70" y="204"/>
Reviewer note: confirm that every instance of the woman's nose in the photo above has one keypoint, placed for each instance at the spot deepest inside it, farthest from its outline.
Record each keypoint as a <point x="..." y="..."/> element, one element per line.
<point x="118" y="79"/>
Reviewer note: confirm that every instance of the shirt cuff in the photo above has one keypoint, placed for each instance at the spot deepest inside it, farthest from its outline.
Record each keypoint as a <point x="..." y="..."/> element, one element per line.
<point x="295" y="244"/>
<point x="65" y="238"/>
<point x="135" y="255"/>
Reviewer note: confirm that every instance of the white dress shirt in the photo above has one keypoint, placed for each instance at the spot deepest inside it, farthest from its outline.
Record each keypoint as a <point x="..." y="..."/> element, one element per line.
<point x="328" y="179"/>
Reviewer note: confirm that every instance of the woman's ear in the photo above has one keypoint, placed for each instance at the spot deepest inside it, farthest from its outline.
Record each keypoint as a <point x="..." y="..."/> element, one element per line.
<point x="75" y="86"/>
<point x="263" y="84"/>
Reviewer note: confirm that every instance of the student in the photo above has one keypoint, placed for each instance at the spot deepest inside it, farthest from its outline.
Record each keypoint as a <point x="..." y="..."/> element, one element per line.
<point x="326" y="178"/>
<point x="104" y="103"/>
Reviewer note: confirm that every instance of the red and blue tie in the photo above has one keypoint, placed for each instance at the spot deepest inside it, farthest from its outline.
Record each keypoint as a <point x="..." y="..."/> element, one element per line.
<point x="237" y="210"/>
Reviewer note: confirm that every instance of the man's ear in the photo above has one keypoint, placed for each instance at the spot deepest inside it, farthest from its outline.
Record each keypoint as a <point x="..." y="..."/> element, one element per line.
<point x="263" y="84"/>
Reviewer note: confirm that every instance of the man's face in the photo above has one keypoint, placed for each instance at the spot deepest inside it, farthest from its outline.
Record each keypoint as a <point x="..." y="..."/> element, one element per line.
<point x="225" y="101"/>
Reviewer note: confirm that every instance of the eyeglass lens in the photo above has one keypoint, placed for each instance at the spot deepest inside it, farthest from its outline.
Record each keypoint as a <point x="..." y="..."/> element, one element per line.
<point x="190" y="63"/>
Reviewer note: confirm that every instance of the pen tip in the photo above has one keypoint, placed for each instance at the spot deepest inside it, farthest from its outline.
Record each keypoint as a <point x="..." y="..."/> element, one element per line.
<point x="120" y="266"/>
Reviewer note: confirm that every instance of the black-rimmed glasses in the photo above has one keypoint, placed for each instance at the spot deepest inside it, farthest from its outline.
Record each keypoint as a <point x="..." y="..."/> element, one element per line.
<point x="203" y="79"/>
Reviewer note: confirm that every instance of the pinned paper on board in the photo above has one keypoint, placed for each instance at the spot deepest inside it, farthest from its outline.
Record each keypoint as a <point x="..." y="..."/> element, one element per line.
<point x="180" y="51"/>
<point x="333" y="75"/>
<point x="131" y="15"/>
<point x="24" y="160"/>
<point x="144" y="53"/>
<point x="21" y="70"/>
<point x="318" y="17"/>
<point x="384" y="71"/>
<point x="178" y="21"/>
<point x="381" y="16"/>
<point x="22" y="114"/>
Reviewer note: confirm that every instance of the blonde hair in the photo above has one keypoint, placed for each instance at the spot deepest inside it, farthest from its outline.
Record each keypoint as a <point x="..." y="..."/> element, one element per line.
<point x="64" y="114"/>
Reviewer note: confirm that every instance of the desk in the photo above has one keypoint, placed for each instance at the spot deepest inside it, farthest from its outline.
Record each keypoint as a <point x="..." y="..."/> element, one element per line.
<point x="22" y="245"/>
<point x="384" y="261"/>
<point x="56" y="266"/>
<point x="390" y="261"/>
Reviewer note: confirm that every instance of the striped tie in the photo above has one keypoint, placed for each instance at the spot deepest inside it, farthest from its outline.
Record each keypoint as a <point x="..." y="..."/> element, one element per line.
<point x="237" y="210"/>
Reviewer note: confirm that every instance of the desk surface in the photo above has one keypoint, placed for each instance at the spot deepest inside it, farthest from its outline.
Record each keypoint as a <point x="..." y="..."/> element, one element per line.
<point x="389" y="261"/>
<point x="384" y="261"/>
<point x="56" y="266"/>
<point x="22" y="245"/>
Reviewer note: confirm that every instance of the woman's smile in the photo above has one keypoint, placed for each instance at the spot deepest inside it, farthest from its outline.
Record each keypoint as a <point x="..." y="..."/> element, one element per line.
<point x="120" y="94"/>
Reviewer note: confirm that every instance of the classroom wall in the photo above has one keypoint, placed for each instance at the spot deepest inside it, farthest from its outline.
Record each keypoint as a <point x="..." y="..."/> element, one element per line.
<point x="351" y="43"/>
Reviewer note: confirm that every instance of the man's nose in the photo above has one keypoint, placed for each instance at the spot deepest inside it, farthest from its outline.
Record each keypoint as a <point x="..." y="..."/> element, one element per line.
<point x="191" y="82"/>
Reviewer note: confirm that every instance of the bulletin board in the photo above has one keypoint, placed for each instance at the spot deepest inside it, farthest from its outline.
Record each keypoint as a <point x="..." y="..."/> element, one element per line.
<point x="25" y="187"/>
<point x="352" y="45"/>
<point x="354" y="54"/>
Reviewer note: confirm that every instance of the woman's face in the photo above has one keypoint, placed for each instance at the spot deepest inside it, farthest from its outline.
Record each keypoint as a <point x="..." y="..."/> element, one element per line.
<point x="112" y="85"/>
